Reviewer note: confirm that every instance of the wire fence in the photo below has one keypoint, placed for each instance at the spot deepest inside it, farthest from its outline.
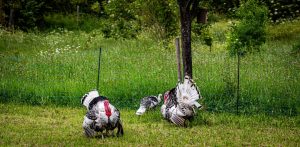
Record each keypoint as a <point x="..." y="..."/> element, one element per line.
<point x="132" y="69"/>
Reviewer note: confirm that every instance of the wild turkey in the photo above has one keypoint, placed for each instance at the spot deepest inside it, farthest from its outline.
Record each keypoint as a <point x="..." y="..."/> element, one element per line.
<point x="148" y="103"/>
<point x="180" y="102"/>
<point x="101" y="116"/>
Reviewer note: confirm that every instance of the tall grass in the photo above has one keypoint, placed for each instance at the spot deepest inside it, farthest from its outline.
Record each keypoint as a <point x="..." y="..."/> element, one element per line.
<point x="60" y="66"/>
<point x="85" y="22"/>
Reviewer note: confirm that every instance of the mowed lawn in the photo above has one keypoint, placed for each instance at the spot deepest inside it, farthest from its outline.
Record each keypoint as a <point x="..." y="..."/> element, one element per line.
<point x="61" y="126"/>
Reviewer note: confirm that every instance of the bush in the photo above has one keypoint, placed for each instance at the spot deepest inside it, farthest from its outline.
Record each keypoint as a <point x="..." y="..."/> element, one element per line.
<point x="120" y="21"/>
<point x="296" y="48"/>
<point x="126" y="19"/>
<point x="27" y="14"/>
<point x="69" y="21"/>
<point x="249" y="33"/>
<point x="120" y="28"/>
<point x="160" y="17"/>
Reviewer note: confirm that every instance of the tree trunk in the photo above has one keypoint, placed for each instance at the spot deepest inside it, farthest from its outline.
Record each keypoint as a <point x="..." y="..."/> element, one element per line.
<point x="202" y="16"/>
<point x="77" y="12"/>
<point x="185" y="20"/>
<point x="2" y="14"/>
<point x="11" y="18"/>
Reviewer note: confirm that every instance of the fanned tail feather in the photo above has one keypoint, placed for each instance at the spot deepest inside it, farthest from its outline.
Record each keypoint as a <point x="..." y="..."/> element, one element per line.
<point x="180" y="102"/>
<point x="177" y="120"/>
<point x="187" y="92"/>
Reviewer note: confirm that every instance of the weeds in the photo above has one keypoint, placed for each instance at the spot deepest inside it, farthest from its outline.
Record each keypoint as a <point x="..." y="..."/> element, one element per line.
<point x="60" y="66"/>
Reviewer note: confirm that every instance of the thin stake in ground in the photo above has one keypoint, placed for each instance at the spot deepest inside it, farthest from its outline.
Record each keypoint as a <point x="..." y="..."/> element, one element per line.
<point x="98" y="76"/>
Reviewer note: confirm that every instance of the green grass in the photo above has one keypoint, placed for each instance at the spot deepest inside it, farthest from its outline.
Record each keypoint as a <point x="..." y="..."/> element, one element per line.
<point x="69" y="21"/>
<point x="284" y="31"/>
<point x="23" y="125"/>
<point x="60" y="66"/>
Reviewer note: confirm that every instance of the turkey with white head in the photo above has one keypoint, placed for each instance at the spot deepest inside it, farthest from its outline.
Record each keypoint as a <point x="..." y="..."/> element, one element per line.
<point x="101" y="115"/>
<point x="148" y="103"/>
<point x="180" y="102"/>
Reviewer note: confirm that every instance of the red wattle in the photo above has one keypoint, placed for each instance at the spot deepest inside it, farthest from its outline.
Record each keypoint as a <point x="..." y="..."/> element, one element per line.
<point x="166" y="97"/>
<point x="107" y="108"/>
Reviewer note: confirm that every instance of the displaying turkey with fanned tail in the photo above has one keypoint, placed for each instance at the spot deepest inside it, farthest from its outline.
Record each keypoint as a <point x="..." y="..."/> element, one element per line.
<point x="180" y="102"/>
<point x="148" y="103"/>
<point x="100" y="116"/>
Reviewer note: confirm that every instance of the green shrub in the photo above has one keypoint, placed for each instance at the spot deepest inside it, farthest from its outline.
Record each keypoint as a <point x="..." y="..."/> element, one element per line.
<point x="27" y="14"/>
<point x="58" y="20"/>
<point x="159" y="17"/>
<point x="296" y="48"/>
<point x="85" y="22"/>
<point x="202" y="31"/>
<point x="120" y="28"/>
<point x="249" y="33"/>
<point x="120" y="21"/>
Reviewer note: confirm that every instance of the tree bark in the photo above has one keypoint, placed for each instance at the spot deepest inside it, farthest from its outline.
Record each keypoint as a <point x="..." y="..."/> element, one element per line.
<point x="202" y="16"/>
<point x="186" y="8"/>
<point x="77" y="12"/>
<point x="2" y="13"/>
<point x="11" y="18"/>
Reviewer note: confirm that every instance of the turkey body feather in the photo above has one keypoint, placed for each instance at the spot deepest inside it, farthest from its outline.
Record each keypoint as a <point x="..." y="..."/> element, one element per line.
<point x="101" y="115"/>
<point x="148" y="103"/>
<point x="180" y="102"/>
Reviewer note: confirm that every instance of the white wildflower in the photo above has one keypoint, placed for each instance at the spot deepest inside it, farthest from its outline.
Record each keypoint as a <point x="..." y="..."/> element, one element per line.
<point x="57" y="50"/>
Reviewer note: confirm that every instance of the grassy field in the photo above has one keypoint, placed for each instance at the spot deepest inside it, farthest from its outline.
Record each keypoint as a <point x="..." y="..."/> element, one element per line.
<point x="23" y="125"/>
<point x="58" y="67"/>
